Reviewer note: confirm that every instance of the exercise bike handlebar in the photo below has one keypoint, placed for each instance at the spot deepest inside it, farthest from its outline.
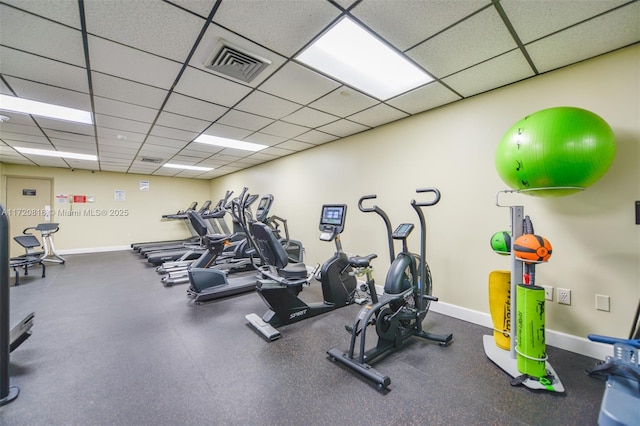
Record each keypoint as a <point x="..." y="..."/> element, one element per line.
<point x="385" y="218"/>
<point x="433" y="202"/>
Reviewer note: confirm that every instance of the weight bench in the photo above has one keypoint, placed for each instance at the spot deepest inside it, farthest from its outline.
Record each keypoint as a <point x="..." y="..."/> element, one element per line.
<point x="30" y="258"/>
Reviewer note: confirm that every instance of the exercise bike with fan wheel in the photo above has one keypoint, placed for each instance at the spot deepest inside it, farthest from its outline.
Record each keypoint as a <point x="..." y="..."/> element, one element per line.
<point x="399" y="312"/>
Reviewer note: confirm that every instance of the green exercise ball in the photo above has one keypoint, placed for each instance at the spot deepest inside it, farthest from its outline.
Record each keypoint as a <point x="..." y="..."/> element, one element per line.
<point x="555" y="148"/>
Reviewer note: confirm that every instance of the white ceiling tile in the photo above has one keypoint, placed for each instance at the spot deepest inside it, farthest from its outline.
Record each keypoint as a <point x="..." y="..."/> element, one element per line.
<point x="156" y="140"/>
<point x="298" y="83"/>
<point x="201" y="7"/>
<point x="82" y="164"/>
<point x="424" y="98"/>
<point x="585" y="41"/>
<point x="47" y="161"/>
<point x="310" y="117"/>
<point x="315" y="137"/>
<point x="182" y="122"/>
<point x="195" y="148"/>
<point x="119" y="137"/>
<point x="281" y="25"/>
<point x="152" y="26"/>
<point x="295" y="145"/>
<point x="119" y="153"/>
<point x="196" y="108"/>
<point x="343" y="128"/>
<point x="245" y="120"/>
<point x="216" y="37"/>
<point x="48" y="124"/>
<point x="267" y="105"/>
<point x="127" y="91"/>
<point x="65" y="12"/>
<point x="405" y="23"/>
<point x="38" y="144"/>
<point x="471" y="41"/>
<point x="277" y="152"/>
<point x="124" y="110"/>
<point x="35" y="68"/>
<point x="113" y="168"/>
<point x="30" y="33"/>
<point x="18" y="123"/>
<point x="121" y="124"/>
<point x="500" y="71"/>
<point x="121" y="61"/>
<point x="533" y="19"/>
<point x="264" y="139"/>
<point x="77" y="137"/>
<point x="285" y="130"/>
<point x="16" y="139"/>
<point x="226" y="132"/>
<point x="202" y="85"/>
<point x="50" y="94"/>
<point x="378" y="115"/>
<point x="158" y="150"/>
<point x="343" y="102"/>
<point x="178" y="135"/>
<point x="72" y="146"/>
<point x="261" y="155"/>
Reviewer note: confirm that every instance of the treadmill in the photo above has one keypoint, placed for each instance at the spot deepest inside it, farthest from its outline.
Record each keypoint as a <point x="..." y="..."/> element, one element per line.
<point x="206" y="284"/>
<point x="180" y="247"/>
<point x="180" y="215"/>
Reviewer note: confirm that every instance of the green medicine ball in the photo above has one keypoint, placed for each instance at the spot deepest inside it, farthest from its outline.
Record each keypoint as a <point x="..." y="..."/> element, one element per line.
<point x="501" y="242"/>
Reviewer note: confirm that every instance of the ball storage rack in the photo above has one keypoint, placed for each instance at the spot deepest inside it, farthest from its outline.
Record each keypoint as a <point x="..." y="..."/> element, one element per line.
<point x="507" y="359"/>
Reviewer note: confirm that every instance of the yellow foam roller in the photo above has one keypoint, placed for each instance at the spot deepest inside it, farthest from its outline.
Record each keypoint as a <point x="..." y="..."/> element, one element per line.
<point x="500" y="307"/>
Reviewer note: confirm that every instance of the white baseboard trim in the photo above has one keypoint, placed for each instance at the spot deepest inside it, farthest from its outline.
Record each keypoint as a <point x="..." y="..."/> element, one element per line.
<point x="93" y="250"/>
<point x="553" y="338"/>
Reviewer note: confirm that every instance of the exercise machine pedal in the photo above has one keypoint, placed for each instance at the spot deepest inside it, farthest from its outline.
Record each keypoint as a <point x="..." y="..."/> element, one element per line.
<point x="266" y="329"/>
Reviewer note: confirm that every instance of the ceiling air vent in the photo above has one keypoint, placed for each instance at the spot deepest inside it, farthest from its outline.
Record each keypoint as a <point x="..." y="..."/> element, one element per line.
<point x="151" y="160"/>
<point x="235" y="62"/>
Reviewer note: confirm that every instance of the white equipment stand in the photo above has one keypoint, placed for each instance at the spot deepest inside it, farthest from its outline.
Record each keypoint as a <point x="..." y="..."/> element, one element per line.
<point x="507" y="360"/>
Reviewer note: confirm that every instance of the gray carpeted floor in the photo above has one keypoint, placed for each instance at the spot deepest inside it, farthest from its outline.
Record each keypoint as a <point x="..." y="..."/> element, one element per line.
<point x="111" y="345"/>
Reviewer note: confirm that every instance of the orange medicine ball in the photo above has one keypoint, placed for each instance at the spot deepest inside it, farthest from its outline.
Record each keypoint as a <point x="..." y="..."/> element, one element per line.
<point x="532" y="248"/>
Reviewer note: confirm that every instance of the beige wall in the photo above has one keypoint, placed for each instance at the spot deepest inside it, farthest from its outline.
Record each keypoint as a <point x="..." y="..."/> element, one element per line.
<point x="596" y="243"/>
<point x="120" y="223"/>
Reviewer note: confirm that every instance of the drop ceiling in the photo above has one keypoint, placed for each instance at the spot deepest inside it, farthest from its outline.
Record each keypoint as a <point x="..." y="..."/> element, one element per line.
<point x="141" y="68"/>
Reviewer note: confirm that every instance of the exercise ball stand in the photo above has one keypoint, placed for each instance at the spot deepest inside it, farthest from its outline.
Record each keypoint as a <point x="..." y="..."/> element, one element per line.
<point x="507" y="359"/>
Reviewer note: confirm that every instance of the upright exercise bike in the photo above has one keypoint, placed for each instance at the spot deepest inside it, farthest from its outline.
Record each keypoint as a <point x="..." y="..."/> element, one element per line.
<point x="398" y="313"/>
<point x="282" y="281"/>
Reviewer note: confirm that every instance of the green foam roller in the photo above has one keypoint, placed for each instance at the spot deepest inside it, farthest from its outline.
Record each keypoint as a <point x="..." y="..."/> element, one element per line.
<point x="530" y="343"/>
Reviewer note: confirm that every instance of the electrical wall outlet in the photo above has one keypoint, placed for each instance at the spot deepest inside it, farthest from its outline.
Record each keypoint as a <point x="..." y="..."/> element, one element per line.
<point x="603" y="302"/>
<point x="548" y="292"/>
<point x="564" y="296"/>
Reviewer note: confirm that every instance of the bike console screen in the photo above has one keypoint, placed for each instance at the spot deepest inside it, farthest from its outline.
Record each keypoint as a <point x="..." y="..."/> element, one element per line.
<point x="332" y="217"/>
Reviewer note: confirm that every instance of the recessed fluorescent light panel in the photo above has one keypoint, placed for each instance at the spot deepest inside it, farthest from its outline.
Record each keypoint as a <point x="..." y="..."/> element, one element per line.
<point x="59" y="154"/>
<point x="180" y="166"/>
<point x="351" y="54"/>
<point x="26" y="106"/>
<point x="229" y="143"/>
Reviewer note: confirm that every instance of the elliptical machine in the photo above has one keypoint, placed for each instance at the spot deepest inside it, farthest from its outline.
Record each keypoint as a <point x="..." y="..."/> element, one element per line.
<point x="282" y="281"/>
<point x="398" y="313"/>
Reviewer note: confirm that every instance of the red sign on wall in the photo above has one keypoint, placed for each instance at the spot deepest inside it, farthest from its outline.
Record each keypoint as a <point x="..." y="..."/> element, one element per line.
<point x="79" y="198"/>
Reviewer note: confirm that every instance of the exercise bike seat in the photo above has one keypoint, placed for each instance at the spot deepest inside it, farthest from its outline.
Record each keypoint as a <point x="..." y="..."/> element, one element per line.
<point x="215" y="239"/>
<point x="361" y="261"/>
<point x="293" y="271"/>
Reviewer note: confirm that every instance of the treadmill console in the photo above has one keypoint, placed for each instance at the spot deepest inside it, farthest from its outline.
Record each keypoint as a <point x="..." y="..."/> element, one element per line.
<point x="262" y="212"/>
<point x="402" y="231"/>
<point x="332" y="220"/>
